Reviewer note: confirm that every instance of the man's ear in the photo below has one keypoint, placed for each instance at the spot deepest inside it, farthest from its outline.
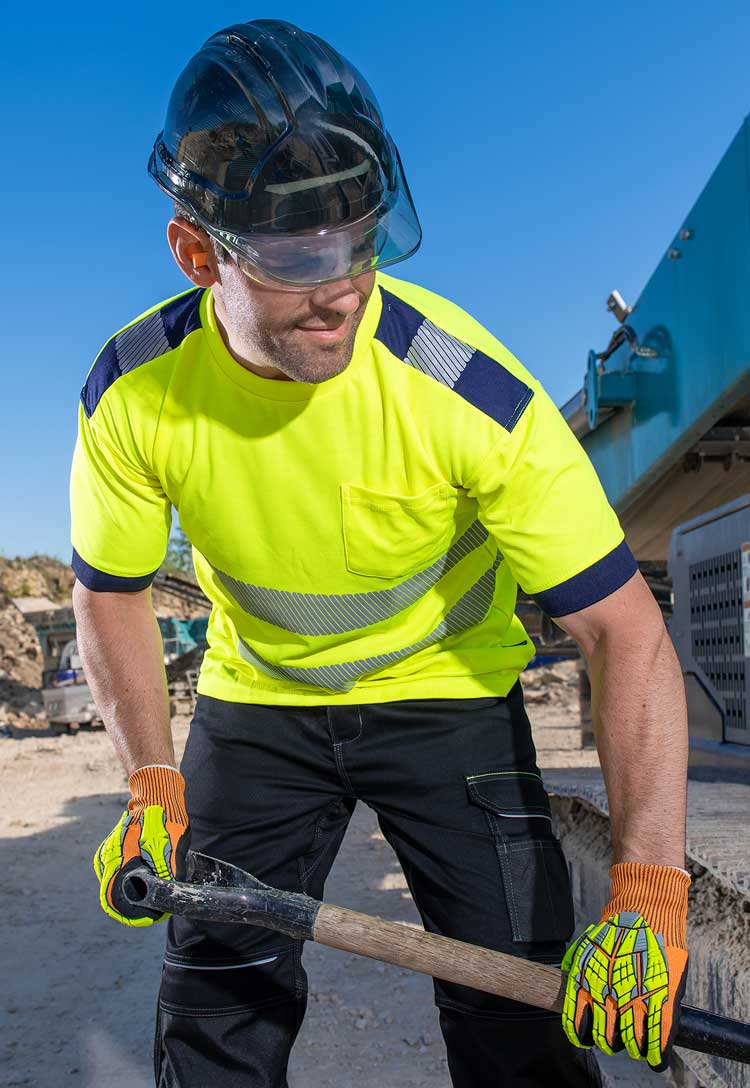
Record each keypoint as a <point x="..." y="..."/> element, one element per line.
<point x="192" y="250"/>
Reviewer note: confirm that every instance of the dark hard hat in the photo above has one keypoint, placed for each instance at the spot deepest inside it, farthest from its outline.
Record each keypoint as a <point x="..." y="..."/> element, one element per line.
<point x="271" y="136"/>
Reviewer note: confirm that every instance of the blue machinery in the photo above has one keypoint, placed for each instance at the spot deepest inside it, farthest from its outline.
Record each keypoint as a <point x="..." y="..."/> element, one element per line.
<point x="664" y="413"/>
<point x="181" y="636"/>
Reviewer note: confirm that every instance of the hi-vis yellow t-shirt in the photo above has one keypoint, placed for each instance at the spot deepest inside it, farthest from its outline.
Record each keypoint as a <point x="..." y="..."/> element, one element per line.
<point x="361" y="540"/>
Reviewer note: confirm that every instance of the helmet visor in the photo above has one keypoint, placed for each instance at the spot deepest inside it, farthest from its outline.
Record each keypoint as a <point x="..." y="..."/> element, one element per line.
<point x="303" y="258"/>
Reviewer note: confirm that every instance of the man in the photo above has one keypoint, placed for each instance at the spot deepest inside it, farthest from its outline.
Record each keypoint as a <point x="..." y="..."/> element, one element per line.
<point x="366" y="474"/>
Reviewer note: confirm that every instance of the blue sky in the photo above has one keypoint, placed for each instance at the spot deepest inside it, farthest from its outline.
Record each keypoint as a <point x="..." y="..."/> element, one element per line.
<point x="552" y="151"/>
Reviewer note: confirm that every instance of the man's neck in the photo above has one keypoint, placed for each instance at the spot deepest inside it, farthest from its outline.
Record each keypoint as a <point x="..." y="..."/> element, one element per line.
<point x="256" y="368"/>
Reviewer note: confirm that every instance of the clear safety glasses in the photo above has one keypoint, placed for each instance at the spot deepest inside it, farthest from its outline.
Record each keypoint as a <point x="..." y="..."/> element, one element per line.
<point x="302" y="263"/>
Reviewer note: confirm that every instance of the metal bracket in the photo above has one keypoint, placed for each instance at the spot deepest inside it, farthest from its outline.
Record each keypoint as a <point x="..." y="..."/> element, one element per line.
<point x="606" y="389"/>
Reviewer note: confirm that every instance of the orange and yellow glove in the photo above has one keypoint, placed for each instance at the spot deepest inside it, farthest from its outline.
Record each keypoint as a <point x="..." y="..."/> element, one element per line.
<point x="153" y="831"/>
<point x="626" y="975"/>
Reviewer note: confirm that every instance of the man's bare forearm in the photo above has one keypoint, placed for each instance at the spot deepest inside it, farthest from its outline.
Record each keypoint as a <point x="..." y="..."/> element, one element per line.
<point x="122" y="652"/>
<point x="640" y="723"/>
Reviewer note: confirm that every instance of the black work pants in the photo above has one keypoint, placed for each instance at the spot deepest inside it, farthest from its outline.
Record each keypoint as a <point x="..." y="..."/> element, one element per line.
<point x="458" y="796"/>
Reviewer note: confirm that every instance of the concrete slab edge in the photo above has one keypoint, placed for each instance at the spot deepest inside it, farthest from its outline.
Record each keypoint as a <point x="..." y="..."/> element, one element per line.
<point x="594" y="795"/>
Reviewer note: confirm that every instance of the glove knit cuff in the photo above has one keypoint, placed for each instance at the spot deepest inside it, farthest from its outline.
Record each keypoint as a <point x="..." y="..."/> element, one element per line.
<point x="659" y="893"/>
<point x="162" y="786"/>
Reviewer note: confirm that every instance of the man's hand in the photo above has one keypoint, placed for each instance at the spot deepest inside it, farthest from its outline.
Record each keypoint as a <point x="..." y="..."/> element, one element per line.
<point x="153" y="831"/>
<point x="627" y="974"/>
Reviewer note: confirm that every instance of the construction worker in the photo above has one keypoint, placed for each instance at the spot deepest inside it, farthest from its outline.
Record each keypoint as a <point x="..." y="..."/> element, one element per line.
<point x="366" y="474"/>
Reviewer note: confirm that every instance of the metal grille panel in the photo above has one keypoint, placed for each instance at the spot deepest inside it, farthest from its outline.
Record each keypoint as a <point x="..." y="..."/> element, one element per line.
<point x="716" y="629"/>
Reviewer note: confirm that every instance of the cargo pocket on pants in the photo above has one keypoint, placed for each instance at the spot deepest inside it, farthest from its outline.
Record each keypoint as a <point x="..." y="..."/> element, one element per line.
<point x="532" y="865"/>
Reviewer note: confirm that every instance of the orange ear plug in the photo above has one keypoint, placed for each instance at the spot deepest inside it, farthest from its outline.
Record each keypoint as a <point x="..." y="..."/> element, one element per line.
<point x="200" y="260"/>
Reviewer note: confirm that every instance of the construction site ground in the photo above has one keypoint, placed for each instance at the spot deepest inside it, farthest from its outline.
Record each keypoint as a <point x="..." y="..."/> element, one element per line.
<point x="79" y="991"/>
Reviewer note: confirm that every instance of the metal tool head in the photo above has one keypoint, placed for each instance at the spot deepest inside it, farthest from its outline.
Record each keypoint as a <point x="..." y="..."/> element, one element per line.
<point x="217" y="891"/>
<point x="203" y="869"/>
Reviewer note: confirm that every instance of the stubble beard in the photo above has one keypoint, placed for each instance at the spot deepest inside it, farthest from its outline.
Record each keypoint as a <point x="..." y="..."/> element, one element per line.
<point x="309" y="363"/>
<point x="260" y="338"/>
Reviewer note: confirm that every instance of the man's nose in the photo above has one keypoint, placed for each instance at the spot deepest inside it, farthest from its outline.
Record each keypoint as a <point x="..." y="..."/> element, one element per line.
<point x="342" y="297"/>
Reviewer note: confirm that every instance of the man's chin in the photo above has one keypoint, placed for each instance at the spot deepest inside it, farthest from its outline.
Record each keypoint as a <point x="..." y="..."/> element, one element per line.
<point x="327" y="369"/>
<point x="319" y="362"/>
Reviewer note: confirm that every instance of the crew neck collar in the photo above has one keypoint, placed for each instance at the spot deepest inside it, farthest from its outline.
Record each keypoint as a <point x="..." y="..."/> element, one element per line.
<point x="273" y="388"/>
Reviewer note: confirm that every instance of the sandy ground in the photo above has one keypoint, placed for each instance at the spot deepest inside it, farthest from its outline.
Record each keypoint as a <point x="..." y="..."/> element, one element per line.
<point x="77" y="991"/>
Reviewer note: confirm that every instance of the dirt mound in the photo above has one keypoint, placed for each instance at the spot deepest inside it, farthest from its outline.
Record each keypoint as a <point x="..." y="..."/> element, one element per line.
<point x="36" y="576"/>
<point x="20" y="666"/>
<point x="42" y="576"/>
<point x="20" y="654"/>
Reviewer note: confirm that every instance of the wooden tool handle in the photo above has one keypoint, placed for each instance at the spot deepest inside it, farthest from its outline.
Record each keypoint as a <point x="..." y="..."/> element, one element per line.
<point x="441" y="957"/>
<point x="223" y="893"/>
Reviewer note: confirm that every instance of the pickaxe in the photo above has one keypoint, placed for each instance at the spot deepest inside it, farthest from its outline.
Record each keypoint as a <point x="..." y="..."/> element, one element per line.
<point x="216" y="891"/>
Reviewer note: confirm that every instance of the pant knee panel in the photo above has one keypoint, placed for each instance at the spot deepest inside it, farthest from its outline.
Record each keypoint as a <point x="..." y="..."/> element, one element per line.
<point x="205" y="992"/>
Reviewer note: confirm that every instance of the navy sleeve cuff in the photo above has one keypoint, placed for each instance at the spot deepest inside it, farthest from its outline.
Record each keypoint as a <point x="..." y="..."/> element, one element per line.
<point x="100" y="582"/>
<point x="591" y="585"/>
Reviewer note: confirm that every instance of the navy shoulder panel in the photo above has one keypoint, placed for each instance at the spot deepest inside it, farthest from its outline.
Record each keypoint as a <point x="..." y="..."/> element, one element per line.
<point x="480" y="380"/>
<point x="147" y="339"/>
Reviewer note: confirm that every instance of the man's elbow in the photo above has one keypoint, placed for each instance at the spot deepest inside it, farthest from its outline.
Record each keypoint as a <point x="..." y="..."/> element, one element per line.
<point x="629" y="617"/>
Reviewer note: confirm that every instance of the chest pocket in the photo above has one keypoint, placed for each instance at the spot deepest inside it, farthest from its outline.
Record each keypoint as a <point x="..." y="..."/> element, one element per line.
<point x="391" y="536"/>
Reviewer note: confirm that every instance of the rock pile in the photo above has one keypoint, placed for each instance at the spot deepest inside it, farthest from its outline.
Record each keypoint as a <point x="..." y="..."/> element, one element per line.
<point x="20" y="653"/>
<point x="555" y="684"/>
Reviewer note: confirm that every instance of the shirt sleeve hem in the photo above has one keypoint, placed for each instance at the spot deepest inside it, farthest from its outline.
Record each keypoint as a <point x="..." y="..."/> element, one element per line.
<point x="590" y="585"/>
<point x="100" y="582"/>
